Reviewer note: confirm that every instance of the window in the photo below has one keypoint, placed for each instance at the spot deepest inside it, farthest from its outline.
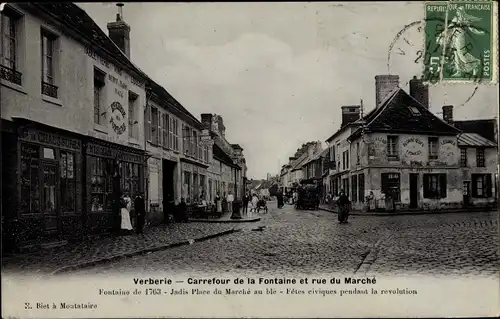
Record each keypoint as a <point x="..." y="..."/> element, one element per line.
<point x="354" y="188"/>
<point x="132" y="115"/>
<point x="30" y="181"/>
<point x="193" y="147"/>
<point x="185" y="141"/>
<point x="433" y="147"/>
<point x="147" y="123"/>
<point x="357" y="153"/>
<point x="68" y="182"/>
<point x="100" y="184"/>
<point x="99" y="112"/>
<point x="131" y="178"/>
<point x="175" y="129"/>
<point x="435" y="186"/>
<point x="8" y="56"/>
<point x="187" y="187"/>
<point x="361" y="187"/>
<point x="392" y="147"/>
<point x="166" y="130"/>
<point x="463" y="157"/>
<point x="391" y="185"/>
<point x="200" y="148"/>
<point x="480" y="157"/>
<point x="48" y="62"/>
<point x="414" y="110"/>
<point x="160" y="128"/>
<point x="205" y="154"/>
<point x="345" y="160"/>
<point x="154" y="125"/>
<point x="345" y="186"/>
<point x="481" y="185"/>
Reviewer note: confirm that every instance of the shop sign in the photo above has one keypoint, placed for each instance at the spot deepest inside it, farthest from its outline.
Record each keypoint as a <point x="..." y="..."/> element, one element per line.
<point x="118" y="116"/>
<point x="104" y="151"/>
<point x="187" y="167"/>
<point x="30" y="135"/>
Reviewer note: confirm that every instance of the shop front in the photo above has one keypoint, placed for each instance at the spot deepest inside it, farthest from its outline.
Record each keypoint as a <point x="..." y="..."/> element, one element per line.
<point x="112" y="170"/>
<point x="194" y="181"/>
<point x="47" y="209"/>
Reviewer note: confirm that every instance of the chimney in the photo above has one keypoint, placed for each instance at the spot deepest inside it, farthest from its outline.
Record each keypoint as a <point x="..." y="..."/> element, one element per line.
<point x="119" y="32"/>
<point x="384" y="84"/>
<point x="350" y="114"/>
<point x="206" y="120"/>
<point x="448" y="114"/>
<point x="220" y="123"/>
<point x="292" y="158"/>
<point x="419" y="91"/>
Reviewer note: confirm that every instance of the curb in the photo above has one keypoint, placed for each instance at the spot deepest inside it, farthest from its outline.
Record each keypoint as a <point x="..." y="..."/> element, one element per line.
<point x="252" y="220"/>
<point x="413" y="213"/>
<point x="140" y="252"/>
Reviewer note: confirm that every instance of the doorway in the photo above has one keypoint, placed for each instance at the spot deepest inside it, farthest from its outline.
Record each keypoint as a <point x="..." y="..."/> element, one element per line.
<point x="49" y="201"/>
<point x="413" y="190"/>
<point x="168" y="186"/>
<point x="466" y="193"/>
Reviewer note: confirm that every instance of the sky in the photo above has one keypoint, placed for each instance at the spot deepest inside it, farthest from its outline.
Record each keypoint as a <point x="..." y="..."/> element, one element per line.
<point x="278" y="73"/>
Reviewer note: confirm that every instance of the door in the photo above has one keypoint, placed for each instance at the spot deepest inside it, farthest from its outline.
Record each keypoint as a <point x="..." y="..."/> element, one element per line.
<point x="168" y="187"/>
<point x="413" y="190"/>
<point x="50" y="205"/>
<point x="466" y="193"/>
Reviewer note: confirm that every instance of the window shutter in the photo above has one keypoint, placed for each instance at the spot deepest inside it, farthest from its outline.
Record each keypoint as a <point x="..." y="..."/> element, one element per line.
<point x="148" y="123"/>
<point x="426" y="186"/>
<point x="160" y="128"/>
<point x="443" y="186"/>
<point x="488" y="185"/>
<point x="474" y="185"/>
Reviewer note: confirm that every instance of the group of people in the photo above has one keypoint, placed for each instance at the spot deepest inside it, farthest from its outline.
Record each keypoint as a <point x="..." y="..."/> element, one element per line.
<point x="252" y="201"/>
<point x="138" y="207"/>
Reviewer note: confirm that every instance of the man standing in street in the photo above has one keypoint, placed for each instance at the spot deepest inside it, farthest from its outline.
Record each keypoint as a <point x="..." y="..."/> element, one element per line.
<point x="140" y="212"/>
<point x="343" y="203"/>
<point x="230" y="200"/>
<point x="246" y="200"/>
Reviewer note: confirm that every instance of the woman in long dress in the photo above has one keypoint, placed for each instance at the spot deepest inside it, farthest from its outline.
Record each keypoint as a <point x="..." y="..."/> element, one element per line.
<point x="255" y="201"/>
<point x="218" y="203"/>
<point x="126" y="224"/>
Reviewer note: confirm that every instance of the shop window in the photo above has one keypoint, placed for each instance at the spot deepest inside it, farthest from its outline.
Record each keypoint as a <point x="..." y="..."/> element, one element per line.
<point x="10" y="39"/>
<point x="392" y="147"/>
<point x="68" y="182"/>
<point x="99" y="110"/>
<point x="30" y="181"/>
<point x="196" y="187"/>
<point x="480" y="157"/>
<point x="361" y="188"/>
<point x="210" y="190"/>
<point x="48" y="41"/>
<point x="391" y="185"/>
<point x="99" y="183"/>
<point x="435" y="186"/>
<point x="463" y="157"/>
<point x="203" y="191"/>
<point x="433" y="148"/>
<point x="187" y="187"/>
<point x="354" y="188"/>
<point x="481" y="185"/>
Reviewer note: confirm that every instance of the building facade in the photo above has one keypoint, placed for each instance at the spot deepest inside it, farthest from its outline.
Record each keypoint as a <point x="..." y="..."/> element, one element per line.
<point x="69" y="150"/>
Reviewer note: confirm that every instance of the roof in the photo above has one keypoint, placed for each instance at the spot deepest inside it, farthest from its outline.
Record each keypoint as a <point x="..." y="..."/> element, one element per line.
<point x="300" y="161"/>
<point x="317" y="156"/>
<point x="219" y="154"/>
<point x="485" y="128"/>
<point x="401" y="113"/>
<point x="474" y="140"/>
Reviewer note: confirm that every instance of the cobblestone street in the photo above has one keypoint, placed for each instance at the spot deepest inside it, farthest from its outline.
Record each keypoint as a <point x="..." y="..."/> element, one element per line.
<point x="289" y="242"/>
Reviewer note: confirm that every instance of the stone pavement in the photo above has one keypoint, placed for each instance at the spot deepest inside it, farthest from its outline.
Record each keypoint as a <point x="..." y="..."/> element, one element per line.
<point x="94" y="251"/>
<point x="410" y="212"/>
<point x="290" y="242"/>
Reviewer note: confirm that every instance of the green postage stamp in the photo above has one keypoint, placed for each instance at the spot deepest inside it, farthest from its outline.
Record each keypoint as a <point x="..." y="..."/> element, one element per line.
<point x="460" y="41"/>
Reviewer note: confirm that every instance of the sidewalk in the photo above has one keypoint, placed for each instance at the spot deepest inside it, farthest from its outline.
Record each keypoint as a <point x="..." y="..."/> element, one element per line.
<point x="92" y="252"/>
<point x="412" y="212"/>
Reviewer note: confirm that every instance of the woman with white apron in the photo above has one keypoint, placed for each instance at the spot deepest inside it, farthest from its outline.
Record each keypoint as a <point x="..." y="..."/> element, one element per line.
<point x="126" y="225"/>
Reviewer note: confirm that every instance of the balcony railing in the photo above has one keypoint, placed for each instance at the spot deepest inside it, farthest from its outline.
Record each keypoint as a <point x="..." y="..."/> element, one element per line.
<point x="10" y="75"/>
<point x="49" y="90"/>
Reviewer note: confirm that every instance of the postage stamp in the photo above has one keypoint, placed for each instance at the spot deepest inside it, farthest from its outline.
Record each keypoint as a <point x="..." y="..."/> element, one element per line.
<point x="460" y="39"/>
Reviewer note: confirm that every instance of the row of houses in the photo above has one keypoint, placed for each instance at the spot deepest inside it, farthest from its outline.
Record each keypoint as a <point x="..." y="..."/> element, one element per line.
<point x="401" y="150"/>
<point x="81" y="125"/>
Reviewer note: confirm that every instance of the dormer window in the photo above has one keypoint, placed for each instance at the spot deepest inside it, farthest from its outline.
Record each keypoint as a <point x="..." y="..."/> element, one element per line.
<point x="414" y="110"/>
